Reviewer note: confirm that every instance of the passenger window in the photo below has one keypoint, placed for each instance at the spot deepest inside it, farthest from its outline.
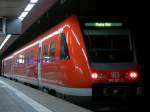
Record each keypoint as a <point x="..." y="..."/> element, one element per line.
<point x="45" y="54"/>
<point x="26" y="58"/>
<point x="29" y="57"/>
<point x="64" y="54"/>
<point x="52" y="51"/>
<point x="20" y="59"/>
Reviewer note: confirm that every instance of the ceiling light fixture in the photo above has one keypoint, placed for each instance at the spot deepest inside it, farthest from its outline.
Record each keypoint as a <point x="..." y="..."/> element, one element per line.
<point x="6" y="39"/>
<point x="29" y="7"/>
<point x="23" y="15"/>
<point x="33" y="1"/>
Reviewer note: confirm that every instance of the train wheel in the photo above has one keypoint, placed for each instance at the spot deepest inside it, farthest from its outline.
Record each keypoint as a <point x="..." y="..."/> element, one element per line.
<point x="59" y="95"/>
<point x="52" y="92"/>
<point x="45" y="90"/>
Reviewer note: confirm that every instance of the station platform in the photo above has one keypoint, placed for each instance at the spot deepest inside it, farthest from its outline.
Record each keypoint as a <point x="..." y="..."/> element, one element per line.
<point x="16" y="97"/>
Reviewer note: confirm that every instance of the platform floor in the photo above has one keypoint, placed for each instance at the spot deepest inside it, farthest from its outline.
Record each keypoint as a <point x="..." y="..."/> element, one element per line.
<point x="16" y="97"/>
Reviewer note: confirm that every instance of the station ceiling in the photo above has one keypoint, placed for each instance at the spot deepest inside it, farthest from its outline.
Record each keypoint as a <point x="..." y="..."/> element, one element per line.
<point x="10" y="9"/>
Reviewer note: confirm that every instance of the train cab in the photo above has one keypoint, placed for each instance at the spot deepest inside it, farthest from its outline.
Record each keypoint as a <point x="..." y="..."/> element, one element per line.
<point x="112" y="58"/>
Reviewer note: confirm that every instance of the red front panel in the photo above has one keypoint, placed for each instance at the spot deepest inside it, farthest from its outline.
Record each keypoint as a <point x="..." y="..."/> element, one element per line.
<point x="131" y="75"/>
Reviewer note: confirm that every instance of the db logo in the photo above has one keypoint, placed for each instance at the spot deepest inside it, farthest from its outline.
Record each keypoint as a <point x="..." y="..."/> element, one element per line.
<point x="115" y="75"/>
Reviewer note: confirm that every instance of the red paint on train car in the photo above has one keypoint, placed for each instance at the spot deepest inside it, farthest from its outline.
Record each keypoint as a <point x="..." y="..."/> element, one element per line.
<point x="59" y="59"/>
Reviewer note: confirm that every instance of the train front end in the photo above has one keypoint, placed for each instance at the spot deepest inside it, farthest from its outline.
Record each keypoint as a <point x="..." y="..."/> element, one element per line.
<point x="113" y="60"/>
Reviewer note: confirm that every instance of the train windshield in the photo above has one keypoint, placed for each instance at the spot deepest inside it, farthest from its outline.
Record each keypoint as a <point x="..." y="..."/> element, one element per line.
<point x="109" y="46"/>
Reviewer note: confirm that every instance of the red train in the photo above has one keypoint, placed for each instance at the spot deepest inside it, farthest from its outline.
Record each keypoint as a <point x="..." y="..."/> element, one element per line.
<point x="79" y="59"/>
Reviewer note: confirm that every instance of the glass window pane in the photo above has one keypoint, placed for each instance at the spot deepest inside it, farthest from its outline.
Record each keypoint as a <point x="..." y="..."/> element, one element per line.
<point x="64" y="54"/>
<point x="52" y="51"/>
<point x="109" y="48"/>
<point x="45" y="53"/>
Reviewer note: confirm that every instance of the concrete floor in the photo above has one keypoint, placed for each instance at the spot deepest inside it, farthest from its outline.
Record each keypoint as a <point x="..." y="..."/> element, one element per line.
<point x="16" y="97"/>
<point x="10" y="102"/>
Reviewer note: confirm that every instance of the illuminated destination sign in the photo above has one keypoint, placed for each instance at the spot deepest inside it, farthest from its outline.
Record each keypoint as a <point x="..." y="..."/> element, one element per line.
<point x="103" y="24"/>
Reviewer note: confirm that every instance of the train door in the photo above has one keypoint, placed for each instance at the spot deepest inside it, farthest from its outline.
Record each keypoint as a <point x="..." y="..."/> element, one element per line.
<point x="50" y="68"/>
<point x="39" y="62"/>
<point x="64" y="63"/>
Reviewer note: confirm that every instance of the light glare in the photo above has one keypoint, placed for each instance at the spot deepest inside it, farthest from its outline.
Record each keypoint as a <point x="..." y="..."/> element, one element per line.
<point x="6" y="39"/>
<point x="33" y="1"/>
<point x="94" y="75"/>
<point x="23" y="15"/>
<point x="133" y="75"/>
<point x="28" y="7"/>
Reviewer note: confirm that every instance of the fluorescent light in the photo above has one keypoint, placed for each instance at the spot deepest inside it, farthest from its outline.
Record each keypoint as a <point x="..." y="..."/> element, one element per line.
<point x="33" y="1"/>
<point x="23" y="15"/>
<point x="21" y="18"/>
<point x="6" y="39"/>
<point x="28" y="7"/>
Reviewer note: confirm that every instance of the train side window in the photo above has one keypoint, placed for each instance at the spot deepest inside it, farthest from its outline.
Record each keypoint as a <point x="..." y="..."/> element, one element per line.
<point x="52" y="51"/>
<point x="45" y="54"/>
<point x="20" y="59"/>
<point x="29" y="57"/>
<point x="64" y="54"/>
<point x="26" y="58"/>
<point x="17" y="60"/>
